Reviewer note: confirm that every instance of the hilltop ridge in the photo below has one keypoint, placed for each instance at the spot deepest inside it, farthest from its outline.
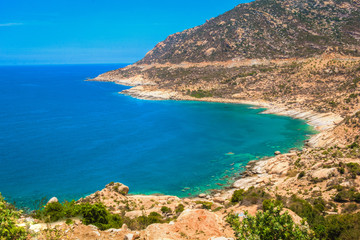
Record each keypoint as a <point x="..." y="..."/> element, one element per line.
<point x="267" y="29"/>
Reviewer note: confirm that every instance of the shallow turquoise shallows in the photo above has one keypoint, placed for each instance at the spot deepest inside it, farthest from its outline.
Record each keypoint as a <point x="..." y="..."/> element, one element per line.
<point x="65" y="137"/>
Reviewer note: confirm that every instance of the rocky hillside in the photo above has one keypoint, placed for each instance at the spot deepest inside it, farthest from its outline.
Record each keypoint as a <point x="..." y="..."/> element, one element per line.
<point x="267" y="29"/>
<point x="303" y="54"/>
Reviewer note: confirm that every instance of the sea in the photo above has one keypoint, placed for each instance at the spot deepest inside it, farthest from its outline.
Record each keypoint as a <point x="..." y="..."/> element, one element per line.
<point x="64" y="136"/>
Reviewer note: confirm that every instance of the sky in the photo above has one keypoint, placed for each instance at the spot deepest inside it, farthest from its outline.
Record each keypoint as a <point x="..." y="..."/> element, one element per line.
<point x="95" y="31"/>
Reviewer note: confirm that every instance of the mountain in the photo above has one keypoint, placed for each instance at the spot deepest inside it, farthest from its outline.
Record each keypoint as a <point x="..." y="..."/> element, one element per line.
<point x="267" y="29"/>
<point x="301" y="54"/>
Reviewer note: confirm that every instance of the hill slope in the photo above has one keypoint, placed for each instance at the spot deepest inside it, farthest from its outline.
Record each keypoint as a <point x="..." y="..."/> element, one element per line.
<point x="298" y="54"/>
<point x="266" y="29"/>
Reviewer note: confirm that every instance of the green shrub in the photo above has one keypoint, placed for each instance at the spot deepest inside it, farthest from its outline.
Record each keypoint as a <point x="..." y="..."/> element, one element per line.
<point x="352" y="207"/>
<point x="341" y="170"/>
<point x="251" y="196"/>
<point x="268" y="203"/>
<point x="95" y="214"/>
<point x="301" y="174"/>
<point x="343" y="226"/>
<point x="201" y="94"/>
<point x="8" y="228"/>
<point x="237" y="196"/>
<point x="153" y="217"/>
<point x="346" y="195"/>
<point x="165" y="209"/>
<point x="268" y="225"/>
<point x="354" y="145"/>
<point x="179" y="209"/>
<point x="53" y="212"/>
<point x="354" y="168"/>
<point x="311" y="214"/>
<point x="205" y="205"/>
<point x="69" y="221"/>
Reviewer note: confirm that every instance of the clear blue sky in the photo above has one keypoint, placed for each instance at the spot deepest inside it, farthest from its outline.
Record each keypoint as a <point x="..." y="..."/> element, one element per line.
<point x="94" y="31"/>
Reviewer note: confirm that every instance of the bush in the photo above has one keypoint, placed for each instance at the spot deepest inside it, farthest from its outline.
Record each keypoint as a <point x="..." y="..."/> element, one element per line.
<point x="251" y="196"/>
<point x="268" y="203"/>
<point x="311" y="214"/>
<point x="205" y="205"/>
<point x="268" y="225"/>
<point x="354" y="168"/>
<point x="153" y="217"/>
<point x="54" y="212"/>
<point x="165" y="209"/>
<point x="238" y="196"/>
<point x="95" y="214"/>
<point x="8" y="228"/>
<point x="201" y="94"/>
<point x="301" y="174"/>
<point x="346" y="195"/>
<point x="179" y="209"/>
<point x="343" y="226"/>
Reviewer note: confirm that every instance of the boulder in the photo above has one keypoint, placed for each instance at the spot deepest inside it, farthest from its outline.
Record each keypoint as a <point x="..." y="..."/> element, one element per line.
<point x="202" y="195"/>
<point x="277" y="152"/>
<point x="129" y="236"/>
<point x="279" y="168"/>
<point x="189" y="224"/>
<point x="219" y="199"/>
<point x="118" y="187"/>
<point x="324" y="173"/>
<point x="52" y="200"/>
<point x="245" y="183"/>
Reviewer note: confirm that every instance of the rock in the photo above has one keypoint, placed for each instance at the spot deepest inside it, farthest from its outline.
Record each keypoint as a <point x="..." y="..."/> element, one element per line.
<point x="124" y="227"/>
<point x="317" y="166"/>
<point x="52" y="200"/>
<point x="345" y="184"/>
<point x="198" y="206"/>
<point x="202" y="195"/>
<point x="280" y="168"/>
<point x="316" y="189"/>
<point x="277" y="153"/>
<point x="245" y="183"/>
<point x="129" y="236"/>
<point x="37" y="227"/>
<point x="188" y="225"/>
<point x="323" y="173"/>
<point x="119" y="188"/>
<point x="219" y="199"/>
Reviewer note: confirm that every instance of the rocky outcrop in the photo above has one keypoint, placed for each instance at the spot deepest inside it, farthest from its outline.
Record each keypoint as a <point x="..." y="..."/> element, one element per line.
<point x="324" y="173"/>
<point x="199" y="224"/>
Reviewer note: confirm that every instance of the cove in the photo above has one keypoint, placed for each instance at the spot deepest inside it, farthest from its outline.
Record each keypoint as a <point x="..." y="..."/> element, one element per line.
<point x="65" y="137"/>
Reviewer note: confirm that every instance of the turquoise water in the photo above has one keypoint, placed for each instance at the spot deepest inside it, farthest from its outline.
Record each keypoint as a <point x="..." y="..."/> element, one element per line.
<point x="66" y="137"/>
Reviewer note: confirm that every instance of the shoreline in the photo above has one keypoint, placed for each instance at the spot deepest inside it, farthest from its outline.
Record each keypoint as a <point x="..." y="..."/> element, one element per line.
<point x="321" y="122"/>
<point x="255" y="170"/>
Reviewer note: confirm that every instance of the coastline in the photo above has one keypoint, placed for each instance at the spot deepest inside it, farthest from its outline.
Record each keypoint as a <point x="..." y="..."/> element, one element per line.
<point x="257" y="171"/>
<point x="322" y="122"/>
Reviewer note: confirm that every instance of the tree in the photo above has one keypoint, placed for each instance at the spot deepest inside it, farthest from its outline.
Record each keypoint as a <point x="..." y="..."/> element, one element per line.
<point x="269" y="225"/>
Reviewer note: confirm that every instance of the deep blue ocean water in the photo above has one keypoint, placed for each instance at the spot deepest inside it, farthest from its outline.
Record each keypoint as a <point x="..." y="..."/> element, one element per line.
<point x="66" y="137"/>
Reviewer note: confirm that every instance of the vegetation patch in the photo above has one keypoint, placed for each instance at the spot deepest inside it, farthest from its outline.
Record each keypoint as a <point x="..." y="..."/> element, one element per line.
<point x="8" y="217"/>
